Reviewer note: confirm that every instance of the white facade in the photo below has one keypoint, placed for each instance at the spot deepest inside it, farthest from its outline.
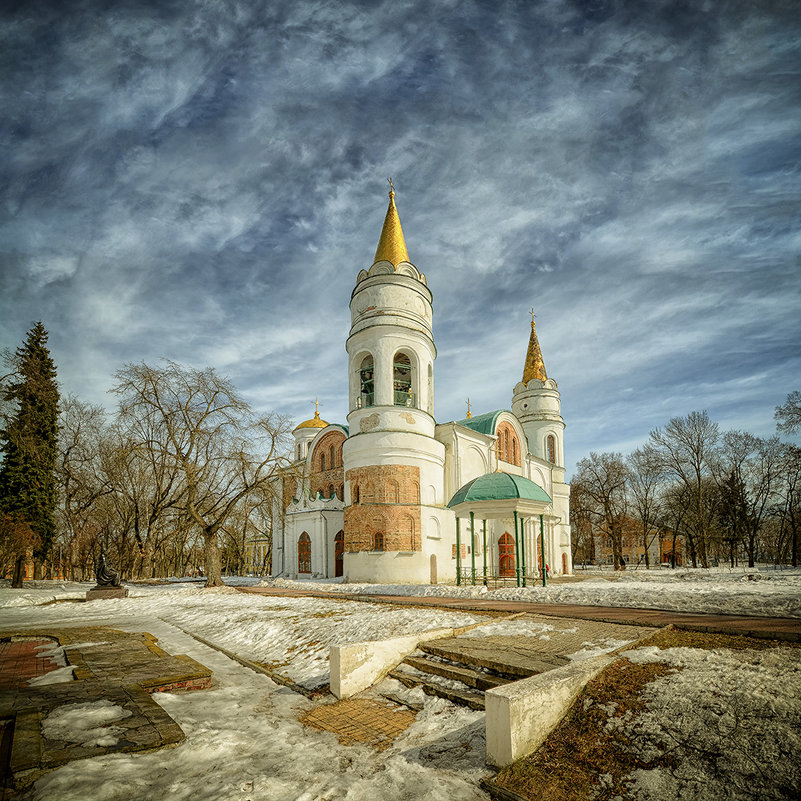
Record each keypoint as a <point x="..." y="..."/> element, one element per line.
<point x="393" y="469"/>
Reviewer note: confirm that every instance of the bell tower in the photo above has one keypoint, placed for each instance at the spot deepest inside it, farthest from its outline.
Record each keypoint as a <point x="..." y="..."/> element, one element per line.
<point x="393" y="464"/>
<point x="537" y="405"/>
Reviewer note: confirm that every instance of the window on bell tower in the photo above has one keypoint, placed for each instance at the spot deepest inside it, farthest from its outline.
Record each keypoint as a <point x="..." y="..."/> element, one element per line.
<point x="366" y="381"/>
<point x="402" y="381"/>
<point x="550" y="444"/>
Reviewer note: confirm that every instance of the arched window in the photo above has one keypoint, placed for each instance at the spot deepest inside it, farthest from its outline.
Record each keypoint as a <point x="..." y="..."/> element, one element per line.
<point x="402" y="380"/>
<point x="506" y="555"/>
<point x="366" y="383"/>
<point x="551" y="446"/>
<point x="331" y="453"/>
<point x="354" y="494"/>
<point x="515" y="457"/>
<point x="378" y="541"/>
<point x="304" y="553"/>
<point x="331" y="491"/>
<point x="322" y="462"/>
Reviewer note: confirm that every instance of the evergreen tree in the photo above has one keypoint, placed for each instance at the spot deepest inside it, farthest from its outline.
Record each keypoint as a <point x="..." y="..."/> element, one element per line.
<point x="28" y="440"/>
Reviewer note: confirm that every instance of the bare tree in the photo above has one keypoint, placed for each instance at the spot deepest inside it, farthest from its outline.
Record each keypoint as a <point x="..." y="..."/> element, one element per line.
<point x="788" y="415"/>
<point x="789" y="499"/>
<point x="686" y="448"/>
<point x="604" y="478"/>
<point x="646" y="476"/>
<point x="582" y="509"/>
<point x="207" y="431"/>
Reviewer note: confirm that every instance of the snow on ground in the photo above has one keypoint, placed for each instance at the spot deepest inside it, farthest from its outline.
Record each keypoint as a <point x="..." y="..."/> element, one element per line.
<point x="244" y="741"/>
<point x="732" y="719"/>
<point x="88" y="723"/>
<point x="755" y="591"/>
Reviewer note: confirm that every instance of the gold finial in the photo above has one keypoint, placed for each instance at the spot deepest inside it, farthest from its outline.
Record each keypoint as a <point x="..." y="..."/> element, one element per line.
<point x="469" y="413"/>
<point x="316" y="408"/>
<point x="534" y="366"/>
<point x="391" y="245"/>
<point x="532" y="315"/>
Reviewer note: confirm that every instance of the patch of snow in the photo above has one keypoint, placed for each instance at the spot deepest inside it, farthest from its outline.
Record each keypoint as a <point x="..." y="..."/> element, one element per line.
<point x="87" y="724"/>
<point x="57" y="676"/>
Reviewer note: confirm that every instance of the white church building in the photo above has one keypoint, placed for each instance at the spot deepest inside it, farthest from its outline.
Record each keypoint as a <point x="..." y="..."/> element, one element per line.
<point x="396" y="497"/>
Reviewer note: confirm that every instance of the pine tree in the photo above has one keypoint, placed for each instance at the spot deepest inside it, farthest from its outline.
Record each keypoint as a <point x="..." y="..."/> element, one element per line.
<point x="28" y="440"/>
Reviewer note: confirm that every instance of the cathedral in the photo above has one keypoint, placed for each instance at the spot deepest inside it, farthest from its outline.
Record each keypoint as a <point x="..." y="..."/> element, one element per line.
<point x="393" y="496"/>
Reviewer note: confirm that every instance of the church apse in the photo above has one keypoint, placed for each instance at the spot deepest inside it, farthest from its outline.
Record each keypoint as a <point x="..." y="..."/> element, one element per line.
<point x="385" y="500"/>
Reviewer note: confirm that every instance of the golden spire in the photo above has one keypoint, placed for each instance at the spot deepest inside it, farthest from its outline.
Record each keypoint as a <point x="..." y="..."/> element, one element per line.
<point x="469" y="413"/>
<point x="534" y="366"/>
<point x="391" y="246"/>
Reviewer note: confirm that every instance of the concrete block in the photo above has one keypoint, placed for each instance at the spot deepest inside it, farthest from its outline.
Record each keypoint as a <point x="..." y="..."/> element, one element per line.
<point x="357" y="666"/>
<point x="521" y="715"/>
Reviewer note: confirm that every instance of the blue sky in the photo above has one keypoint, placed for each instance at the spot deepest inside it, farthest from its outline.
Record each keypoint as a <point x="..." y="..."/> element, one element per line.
<point x="202" y="181"/>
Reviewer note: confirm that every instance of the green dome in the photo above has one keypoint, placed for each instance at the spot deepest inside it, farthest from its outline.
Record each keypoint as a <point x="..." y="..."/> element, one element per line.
<point x="499" y="487"/>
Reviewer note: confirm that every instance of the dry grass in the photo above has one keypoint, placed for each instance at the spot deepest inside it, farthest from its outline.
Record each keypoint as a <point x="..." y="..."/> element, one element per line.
<point x="584" y="745"/>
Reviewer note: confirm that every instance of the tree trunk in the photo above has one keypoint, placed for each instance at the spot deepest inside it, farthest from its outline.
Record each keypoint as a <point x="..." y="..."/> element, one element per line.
<point x="211" y="552"/>
<point x="645" y="545"/>
<point x="19" y="572"/>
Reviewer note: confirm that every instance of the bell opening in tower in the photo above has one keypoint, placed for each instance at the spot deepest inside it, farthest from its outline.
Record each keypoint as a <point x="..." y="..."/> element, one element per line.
<point x="402" y="381"/>
<point x="367" y="386"/>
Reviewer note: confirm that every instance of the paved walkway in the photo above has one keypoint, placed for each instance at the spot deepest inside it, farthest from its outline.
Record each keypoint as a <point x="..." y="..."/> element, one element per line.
<point x="763" y="627"/>
<point x="21" y="661"/>
<point x="108" y="665"/>
<point x="361" y="720"/>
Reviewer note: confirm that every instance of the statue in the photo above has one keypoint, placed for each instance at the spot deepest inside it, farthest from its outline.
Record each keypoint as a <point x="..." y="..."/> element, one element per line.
<point x="108" y="581"/>
<point x="105" y="574"/>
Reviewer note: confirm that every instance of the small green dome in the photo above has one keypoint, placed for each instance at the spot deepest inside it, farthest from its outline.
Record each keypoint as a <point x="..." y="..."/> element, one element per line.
<point x="499" y="487"/>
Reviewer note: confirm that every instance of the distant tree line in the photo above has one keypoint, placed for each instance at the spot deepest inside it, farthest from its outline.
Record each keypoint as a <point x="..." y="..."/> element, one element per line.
<point x="177" y="481"/>
<point x="722" y="497"/>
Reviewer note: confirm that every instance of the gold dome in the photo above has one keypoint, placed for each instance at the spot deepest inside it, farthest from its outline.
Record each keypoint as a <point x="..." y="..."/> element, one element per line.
<point x="315" y="422"/>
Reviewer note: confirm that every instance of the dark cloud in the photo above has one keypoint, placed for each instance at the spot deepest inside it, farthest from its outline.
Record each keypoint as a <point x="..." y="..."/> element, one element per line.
<point x="202" y="181"/>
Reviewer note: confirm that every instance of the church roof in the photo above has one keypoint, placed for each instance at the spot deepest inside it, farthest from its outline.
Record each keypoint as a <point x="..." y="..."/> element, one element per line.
<point x="483" y="423"/>
<point x="315" y="422"/>
<point x="534" y="366"/>
<point x="499" y="487"/>
<point x="391" y="245"/>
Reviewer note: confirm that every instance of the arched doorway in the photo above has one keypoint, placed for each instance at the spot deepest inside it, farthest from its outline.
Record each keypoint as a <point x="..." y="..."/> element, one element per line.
<point x="339" y="550"/>
<point x="564" y="564"/>
<point x="304" y="553"/>
<point x="506" y="555"/>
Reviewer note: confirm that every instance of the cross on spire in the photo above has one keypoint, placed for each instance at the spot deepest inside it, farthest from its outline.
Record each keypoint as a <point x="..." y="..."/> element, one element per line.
<point x="469" y="413"/>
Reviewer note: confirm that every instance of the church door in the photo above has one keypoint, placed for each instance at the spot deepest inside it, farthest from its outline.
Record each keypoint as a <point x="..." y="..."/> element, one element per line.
<point x="304" y="553"/>
<point x="339" y="550"/>
<point x="506" y="555"/>
<point x="564" y="564"/>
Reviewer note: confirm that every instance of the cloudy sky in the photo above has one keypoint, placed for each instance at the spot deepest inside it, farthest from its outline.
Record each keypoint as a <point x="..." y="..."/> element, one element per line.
<point x="202" y="181"/>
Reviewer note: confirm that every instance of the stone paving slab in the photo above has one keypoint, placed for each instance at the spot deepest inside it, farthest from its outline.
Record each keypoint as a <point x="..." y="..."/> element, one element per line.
<point x="109" y="665"/>
<point x="361" y="720"/>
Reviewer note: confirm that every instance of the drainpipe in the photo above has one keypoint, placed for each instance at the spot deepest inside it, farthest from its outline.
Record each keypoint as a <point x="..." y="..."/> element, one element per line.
<point x="523" y="548"/>
<point x="517" y="553"/>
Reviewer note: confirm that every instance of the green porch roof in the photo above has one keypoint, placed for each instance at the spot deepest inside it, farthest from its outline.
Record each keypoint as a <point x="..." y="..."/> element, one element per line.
<point x="483" y="423"/>
<point x="499" y="487"/>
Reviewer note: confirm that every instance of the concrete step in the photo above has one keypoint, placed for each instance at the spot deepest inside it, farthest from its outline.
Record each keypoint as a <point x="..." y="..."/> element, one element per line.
<point x="509" y="657"/>
<point x="457" y="672"/>
<point x="465" y="697"/>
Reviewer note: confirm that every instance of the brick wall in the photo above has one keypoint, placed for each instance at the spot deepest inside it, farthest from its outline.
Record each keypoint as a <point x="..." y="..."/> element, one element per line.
<point x="385" y="499"/>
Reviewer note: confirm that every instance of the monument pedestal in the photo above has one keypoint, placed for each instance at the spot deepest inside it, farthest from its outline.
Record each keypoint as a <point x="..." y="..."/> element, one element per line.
<point x="98" y="593"/>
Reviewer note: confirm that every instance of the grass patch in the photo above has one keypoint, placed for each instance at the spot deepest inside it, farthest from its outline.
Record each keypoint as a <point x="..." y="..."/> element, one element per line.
<point x="590" y="743"/>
